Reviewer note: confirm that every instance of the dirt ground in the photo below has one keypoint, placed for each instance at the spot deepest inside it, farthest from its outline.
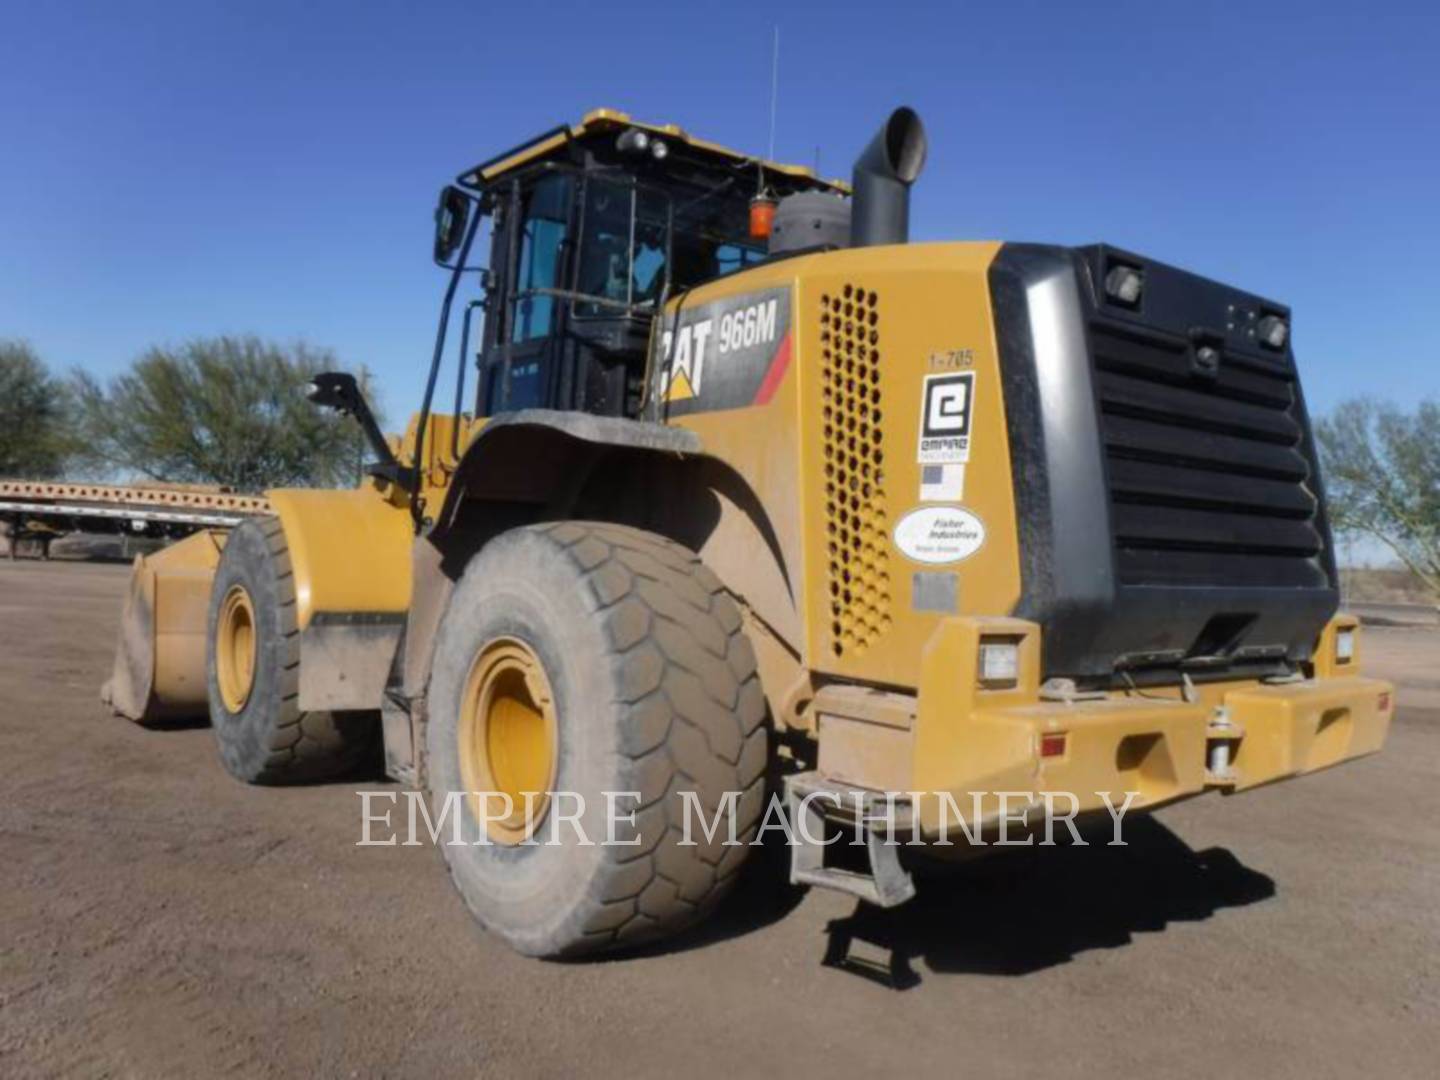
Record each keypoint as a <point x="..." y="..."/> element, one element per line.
<point x="159" y="919"/>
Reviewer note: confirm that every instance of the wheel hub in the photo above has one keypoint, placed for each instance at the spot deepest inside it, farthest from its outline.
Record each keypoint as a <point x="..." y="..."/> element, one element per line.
<point x="235" y="647"/>
<point x="508" y="737"/>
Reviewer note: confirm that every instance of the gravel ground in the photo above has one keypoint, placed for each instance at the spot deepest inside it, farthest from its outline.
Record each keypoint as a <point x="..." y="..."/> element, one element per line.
<point x="159" y="919"/>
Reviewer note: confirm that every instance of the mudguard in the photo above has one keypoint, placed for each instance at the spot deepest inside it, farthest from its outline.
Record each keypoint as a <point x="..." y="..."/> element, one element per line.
<point x="350" y="553"/>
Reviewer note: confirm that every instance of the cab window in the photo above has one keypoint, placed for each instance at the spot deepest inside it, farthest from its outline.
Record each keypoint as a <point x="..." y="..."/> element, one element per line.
<point x="623" y="247"/>
<point x="712" y="239"/>
<point x="731" y="257"/>
<point x="542" y="234"/>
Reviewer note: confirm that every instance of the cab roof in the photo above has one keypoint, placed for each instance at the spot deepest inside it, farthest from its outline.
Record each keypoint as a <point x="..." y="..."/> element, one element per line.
<point x="600" y="122"/>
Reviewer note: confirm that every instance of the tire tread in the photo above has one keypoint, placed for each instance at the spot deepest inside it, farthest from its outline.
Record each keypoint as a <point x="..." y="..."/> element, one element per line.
<point x="680" y="650"/>
<point x="300" y="746"/>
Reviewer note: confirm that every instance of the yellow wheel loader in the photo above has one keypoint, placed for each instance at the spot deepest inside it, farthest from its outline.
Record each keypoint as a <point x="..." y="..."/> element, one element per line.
<point x="751" y="496"/>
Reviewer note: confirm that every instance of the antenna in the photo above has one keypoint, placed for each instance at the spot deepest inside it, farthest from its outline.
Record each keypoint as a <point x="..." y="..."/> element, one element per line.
<point x="774" y="89"/>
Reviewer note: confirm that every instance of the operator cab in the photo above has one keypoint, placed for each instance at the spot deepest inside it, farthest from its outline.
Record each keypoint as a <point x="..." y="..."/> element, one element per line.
<point x="593" y="228"/>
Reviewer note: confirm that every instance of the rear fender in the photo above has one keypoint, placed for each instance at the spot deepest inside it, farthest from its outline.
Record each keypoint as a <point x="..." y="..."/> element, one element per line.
<point x="543" y="465"/>
<point x="521" y="467"/>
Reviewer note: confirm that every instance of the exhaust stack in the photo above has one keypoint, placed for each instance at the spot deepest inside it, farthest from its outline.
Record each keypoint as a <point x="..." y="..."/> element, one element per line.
<point x="880" y="205"/>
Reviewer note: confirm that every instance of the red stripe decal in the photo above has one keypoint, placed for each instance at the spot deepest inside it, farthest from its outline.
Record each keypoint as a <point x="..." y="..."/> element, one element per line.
<point x="779" y="364"/>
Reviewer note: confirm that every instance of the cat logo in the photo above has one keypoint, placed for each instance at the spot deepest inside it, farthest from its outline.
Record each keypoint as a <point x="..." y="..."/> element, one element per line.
<point x="687" y="363"/>
<point x="679" y="388"/>
<point x="724" y="354"/>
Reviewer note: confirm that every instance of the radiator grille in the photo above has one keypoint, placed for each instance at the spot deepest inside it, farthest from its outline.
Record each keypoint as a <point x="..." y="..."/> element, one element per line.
<point x="1209" y="476"/>
<point x="855" y="516"/>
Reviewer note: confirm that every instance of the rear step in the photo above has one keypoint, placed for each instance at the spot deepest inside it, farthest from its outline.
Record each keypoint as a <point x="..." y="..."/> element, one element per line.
<point x="888" y="884"/>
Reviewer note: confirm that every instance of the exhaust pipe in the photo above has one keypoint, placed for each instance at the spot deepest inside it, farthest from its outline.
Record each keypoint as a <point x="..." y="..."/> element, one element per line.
<point x="880" y="205"/>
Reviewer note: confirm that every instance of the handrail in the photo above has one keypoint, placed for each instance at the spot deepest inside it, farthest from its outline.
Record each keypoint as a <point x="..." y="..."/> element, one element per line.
<point x="417" y="497"/>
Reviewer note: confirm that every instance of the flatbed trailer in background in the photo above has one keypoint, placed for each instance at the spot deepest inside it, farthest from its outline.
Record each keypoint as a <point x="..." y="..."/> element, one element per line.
<point x="163" y="627"/>
<point x="41" y="511"/>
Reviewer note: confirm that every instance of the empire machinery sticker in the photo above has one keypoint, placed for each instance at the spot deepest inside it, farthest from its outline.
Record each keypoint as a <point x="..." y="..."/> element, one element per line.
<point x="725" y="354"/>
<point x="945" y="414"/>
<point x="939" y="534"/>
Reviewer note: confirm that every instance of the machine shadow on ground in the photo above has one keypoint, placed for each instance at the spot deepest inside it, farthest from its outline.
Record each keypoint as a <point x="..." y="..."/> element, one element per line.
<point x="1015" y="913"/>
<point x="1033" y="908"/>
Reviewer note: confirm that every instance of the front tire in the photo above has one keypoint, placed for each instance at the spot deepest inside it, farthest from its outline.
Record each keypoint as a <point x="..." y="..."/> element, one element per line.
<point x="253" y="670"/>
<point x="620" y="665"/>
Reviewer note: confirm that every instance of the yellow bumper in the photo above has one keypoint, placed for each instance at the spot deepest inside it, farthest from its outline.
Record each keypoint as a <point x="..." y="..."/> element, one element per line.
<point x="1155" y="744"/>
<point x="1293" y="730"/>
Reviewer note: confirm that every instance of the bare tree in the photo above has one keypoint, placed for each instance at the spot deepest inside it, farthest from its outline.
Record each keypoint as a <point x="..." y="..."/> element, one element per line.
<point x="1382" y="476"/>
<point x="226" y="410"/>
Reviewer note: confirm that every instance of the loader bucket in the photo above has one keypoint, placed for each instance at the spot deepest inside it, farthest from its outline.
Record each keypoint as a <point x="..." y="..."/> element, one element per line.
<point x="160" y="658"/>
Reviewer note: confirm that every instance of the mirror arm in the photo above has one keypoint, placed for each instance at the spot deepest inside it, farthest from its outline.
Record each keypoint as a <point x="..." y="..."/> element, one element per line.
<point x="340" y="391"/>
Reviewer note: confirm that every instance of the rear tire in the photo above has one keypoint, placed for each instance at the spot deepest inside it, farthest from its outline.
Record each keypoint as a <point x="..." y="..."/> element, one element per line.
<point x="652" y="688"/>
<point x="263" y="735"/>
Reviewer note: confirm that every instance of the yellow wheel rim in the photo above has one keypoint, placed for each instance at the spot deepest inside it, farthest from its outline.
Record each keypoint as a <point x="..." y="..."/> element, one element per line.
<point x="235" y="645"/>
<point x="508" y="737"/>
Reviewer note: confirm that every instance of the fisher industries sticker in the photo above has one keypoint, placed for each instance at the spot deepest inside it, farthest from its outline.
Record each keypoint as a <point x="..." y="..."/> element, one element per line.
<point x="945" y="418"/>
<point x="940" y="534"/>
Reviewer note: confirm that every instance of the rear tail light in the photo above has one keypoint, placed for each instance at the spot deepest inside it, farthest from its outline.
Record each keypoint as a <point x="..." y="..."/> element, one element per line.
<point x="999" y="663"/>
<point x="1345" y="645"/>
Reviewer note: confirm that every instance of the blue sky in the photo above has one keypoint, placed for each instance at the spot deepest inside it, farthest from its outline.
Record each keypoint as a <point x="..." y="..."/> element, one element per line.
<point x="179" y="169"/>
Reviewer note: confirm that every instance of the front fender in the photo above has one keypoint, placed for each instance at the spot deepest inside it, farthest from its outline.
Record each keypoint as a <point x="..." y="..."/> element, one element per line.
<point x="350" y="554"/>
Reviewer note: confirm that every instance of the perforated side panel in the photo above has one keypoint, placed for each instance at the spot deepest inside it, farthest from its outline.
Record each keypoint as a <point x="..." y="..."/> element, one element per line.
<point x="856" y="526"/>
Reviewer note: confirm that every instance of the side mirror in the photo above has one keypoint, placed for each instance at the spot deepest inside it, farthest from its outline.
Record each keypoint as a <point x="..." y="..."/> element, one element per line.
<point x="336" y="390"/>
<point x="451" y="214"/>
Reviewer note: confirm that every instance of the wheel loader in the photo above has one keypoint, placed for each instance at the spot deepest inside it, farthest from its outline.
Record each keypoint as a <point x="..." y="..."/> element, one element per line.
<point x="743" y="496"/>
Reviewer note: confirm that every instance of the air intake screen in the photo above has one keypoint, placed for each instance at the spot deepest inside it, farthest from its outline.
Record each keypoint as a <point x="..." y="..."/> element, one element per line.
<point x="855" y="516"/>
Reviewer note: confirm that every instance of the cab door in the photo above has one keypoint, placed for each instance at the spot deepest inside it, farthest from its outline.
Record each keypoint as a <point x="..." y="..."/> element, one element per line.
<point x="523" y="325"/>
